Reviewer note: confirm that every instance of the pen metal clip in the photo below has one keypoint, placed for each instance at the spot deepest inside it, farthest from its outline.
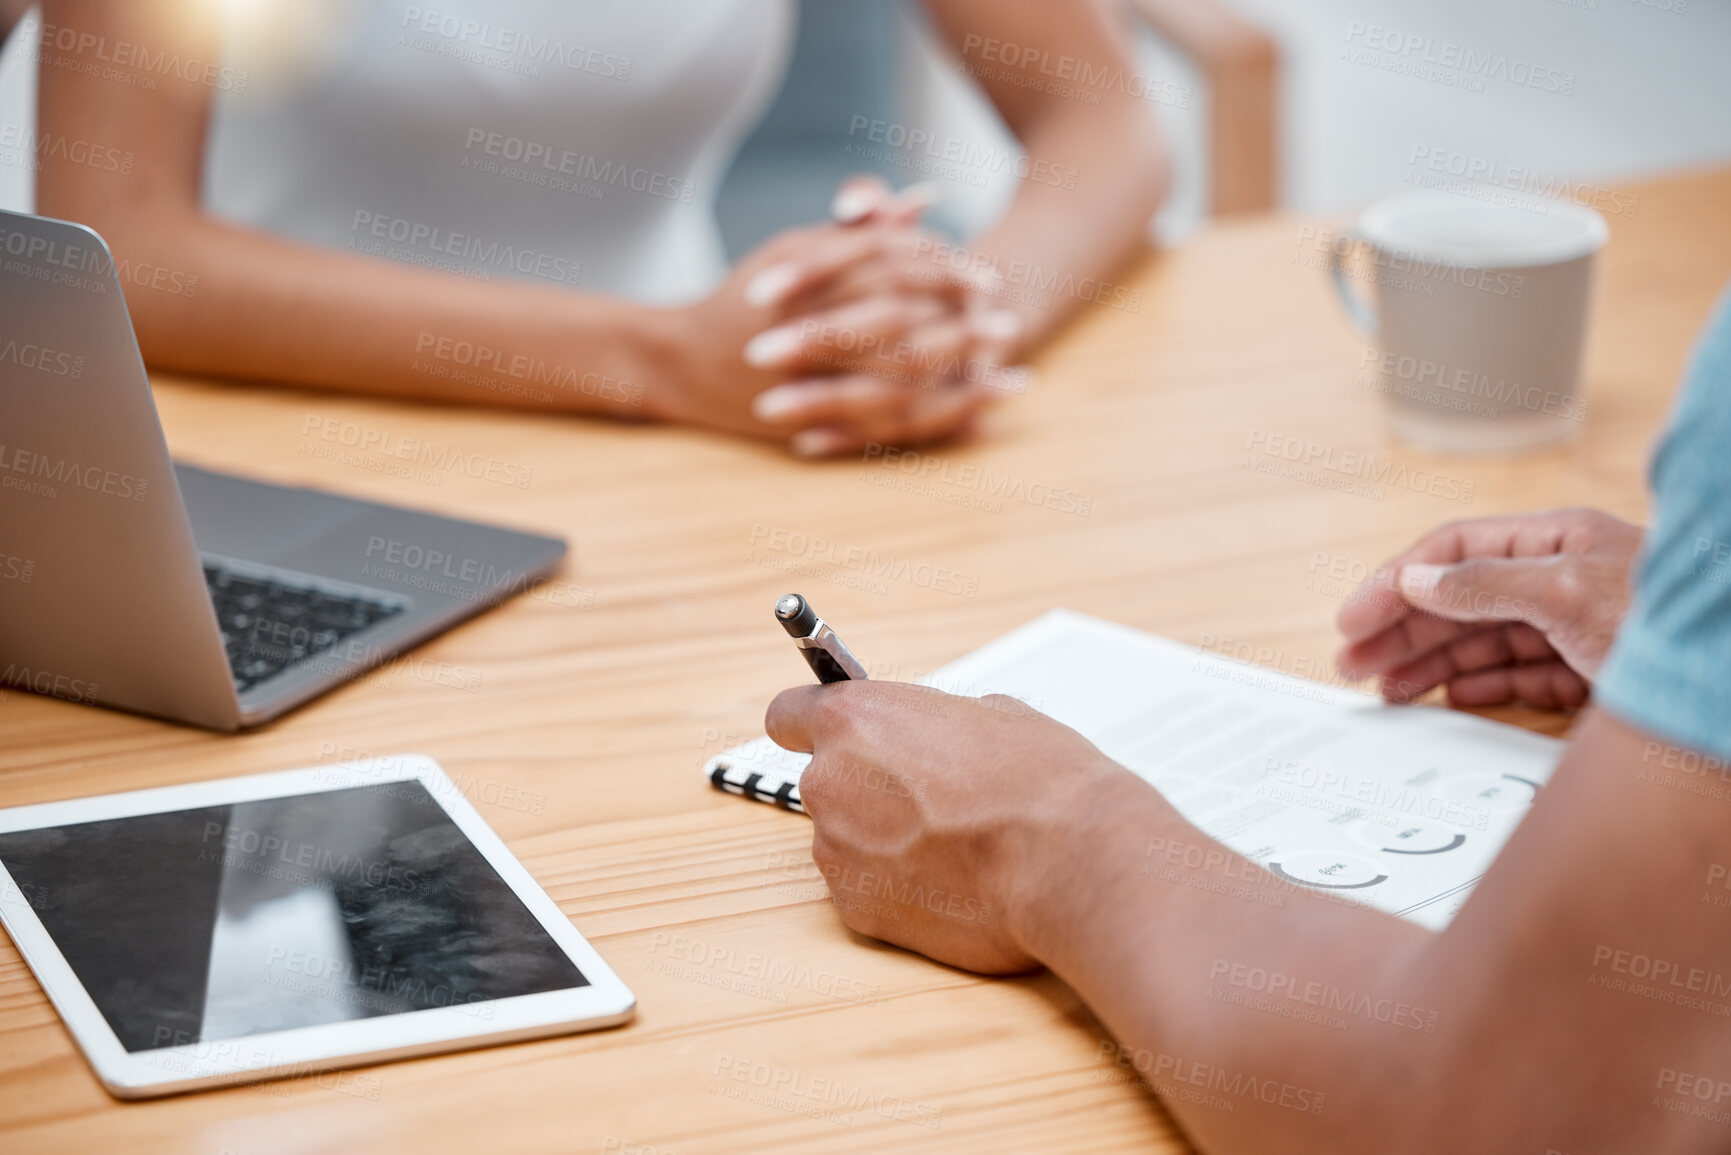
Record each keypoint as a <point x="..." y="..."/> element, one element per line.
<point x="825" y="639"/>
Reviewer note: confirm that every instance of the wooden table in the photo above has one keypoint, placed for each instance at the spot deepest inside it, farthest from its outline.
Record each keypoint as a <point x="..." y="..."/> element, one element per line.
<point x="580" y="717"/>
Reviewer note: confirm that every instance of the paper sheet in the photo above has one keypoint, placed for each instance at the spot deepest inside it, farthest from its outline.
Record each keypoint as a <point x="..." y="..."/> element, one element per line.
<point x="1400" y="808"/>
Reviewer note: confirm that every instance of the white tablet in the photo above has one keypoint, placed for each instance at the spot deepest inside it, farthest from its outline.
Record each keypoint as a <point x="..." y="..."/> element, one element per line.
<point x="287" y="923"/>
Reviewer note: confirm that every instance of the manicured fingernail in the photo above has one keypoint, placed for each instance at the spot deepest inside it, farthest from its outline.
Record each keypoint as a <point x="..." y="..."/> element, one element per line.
<point x="813" y="443"/>
<point x="999" y="324"/>
<point x="770" y="286"/>
<point x="851" y="204"/>
<point x="1417" y="581"/>
<point x="771" y="347"/>
<point x="774" y="404"/>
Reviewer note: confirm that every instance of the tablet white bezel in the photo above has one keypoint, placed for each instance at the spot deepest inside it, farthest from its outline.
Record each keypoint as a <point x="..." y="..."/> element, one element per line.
<point x="606" y="1001"/>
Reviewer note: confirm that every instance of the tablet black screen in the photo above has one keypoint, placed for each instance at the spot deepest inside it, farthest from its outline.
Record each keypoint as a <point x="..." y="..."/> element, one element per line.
<point x="234" y="920"/>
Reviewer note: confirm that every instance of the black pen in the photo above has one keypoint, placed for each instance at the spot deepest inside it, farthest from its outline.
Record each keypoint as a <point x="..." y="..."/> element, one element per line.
<point x="824" y="652"/>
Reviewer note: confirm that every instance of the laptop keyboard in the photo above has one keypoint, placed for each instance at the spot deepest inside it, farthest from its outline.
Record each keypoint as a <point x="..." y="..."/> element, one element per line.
<point x="269" y="625"/>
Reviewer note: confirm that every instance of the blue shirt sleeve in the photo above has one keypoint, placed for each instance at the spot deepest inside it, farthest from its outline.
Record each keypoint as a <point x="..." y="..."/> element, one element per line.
<point x="1669" y="671"/>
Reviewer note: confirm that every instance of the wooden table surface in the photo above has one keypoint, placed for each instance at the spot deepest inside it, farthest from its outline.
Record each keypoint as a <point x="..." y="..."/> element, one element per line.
<point x="576" y="719"/>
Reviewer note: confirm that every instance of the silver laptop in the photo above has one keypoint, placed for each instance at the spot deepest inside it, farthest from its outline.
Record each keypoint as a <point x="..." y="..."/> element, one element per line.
<point x="132" y="581"/>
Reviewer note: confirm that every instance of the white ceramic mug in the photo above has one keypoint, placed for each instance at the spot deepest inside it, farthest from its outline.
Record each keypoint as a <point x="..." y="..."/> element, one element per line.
<point x="1479" y="316"/>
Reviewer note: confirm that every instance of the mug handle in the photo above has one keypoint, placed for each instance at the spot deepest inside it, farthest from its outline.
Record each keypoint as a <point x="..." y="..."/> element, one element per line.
<point x="1362" y="313"/>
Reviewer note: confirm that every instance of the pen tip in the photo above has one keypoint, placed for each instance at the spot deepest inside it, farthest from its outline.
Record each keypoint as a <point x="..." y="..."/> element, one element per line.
<point x="789" y="607"/>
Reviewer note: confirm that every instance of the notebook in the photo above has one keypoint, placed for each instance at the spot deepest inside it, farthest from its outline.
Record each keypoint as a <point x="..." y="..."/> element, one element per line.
<point x="1401" y="808"/>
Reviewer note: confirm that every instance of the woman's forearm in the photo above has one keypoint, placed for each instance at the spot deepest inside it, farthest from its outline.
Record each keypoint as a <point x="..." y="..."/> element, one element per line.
<point x="273" y="310"/>
<point x="1095" y="168"/>
<point x="270" y="309"/>
<point x="1095" y="177"/>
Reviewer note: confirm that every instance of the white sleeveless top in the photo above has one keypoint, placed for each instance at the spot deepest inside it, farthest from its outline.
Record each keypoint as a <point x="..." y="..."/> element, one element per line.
<point x="578" y="143"/>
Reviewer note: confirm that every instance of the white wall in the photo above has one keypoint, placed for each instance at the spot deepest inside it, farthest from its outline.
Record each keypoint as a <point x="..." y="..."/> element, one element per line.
<point x="1649" y="90"/>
